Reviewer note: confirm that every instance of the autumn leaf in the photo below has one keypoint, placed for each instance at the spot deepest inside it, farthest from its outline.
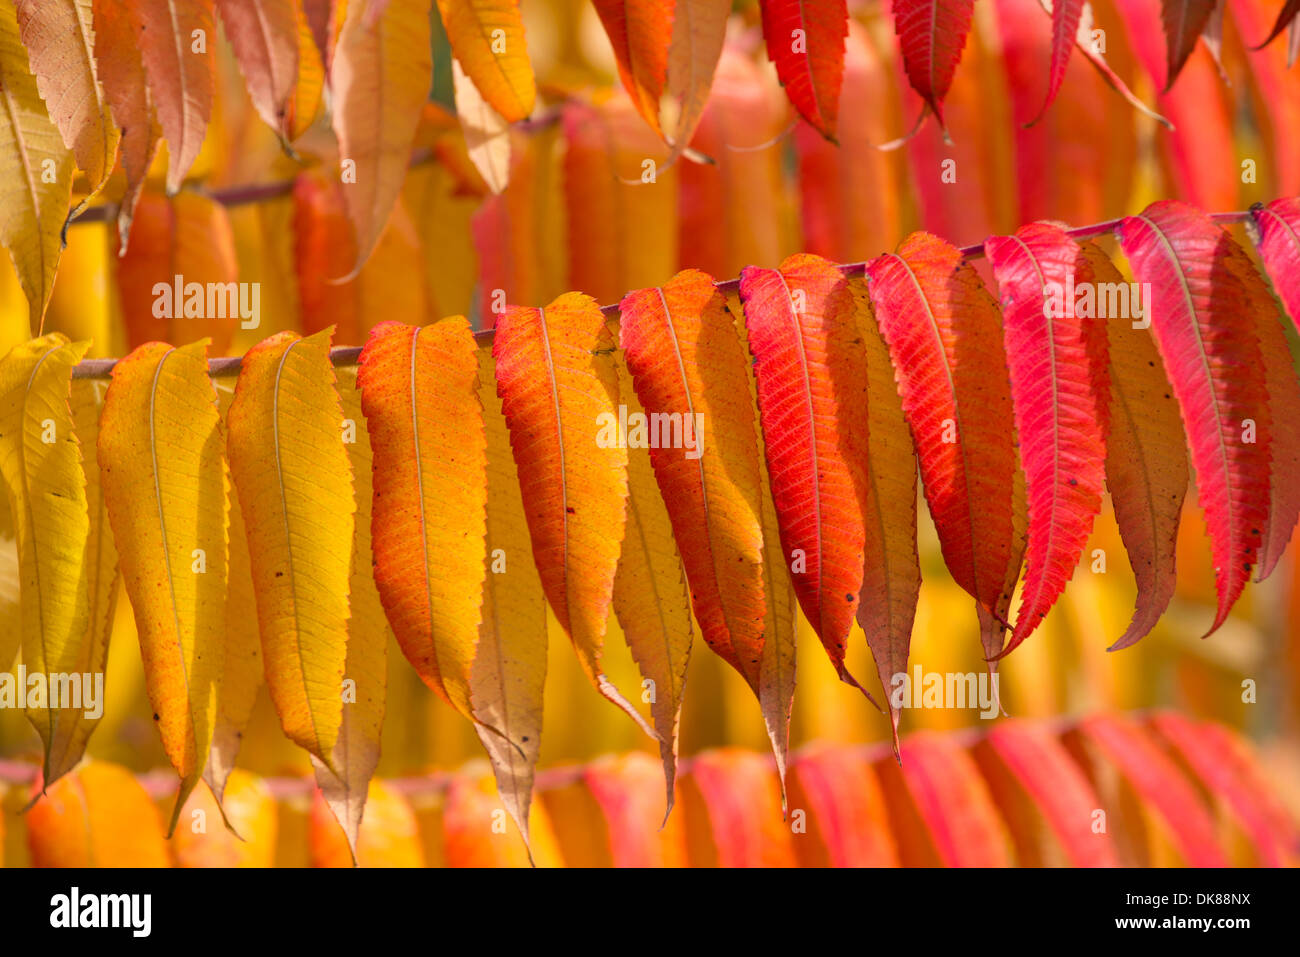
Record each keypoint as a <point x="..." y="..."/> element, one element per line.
<point x="935" y="314"/>
<point x="487" y="135"/>
<point x="732" y="805"/>
<point x="60" y="37"/>
<point x="41" y="463"/>
<point x="803" y="333"/>
<point x="1205" y="334"/>
<point x="931" y="34"/>
<point x="891" y="575"/>
<point x="121" y="69"/>
<point x="559" y="392"/>
<point x="35" y="173"/>
<point x="848" y="821"/>
<point x="509" y="671"/>
<point x="264" y="37"/>
<point x="806" y="42"/>
<point x="699" y="31"/>
<point x="1065" y="28"/>
<point x="345" y="781"/>
<point x="487" y="37"/>
<point x="1146" y="457"/>
<point x="380" y="76"/>
<point x="97" y="816"/>
<point x="1183" y="21"/>
<point x="640" y="32"/>
<point x="1057" y="363"/>
<point x="294" y="483"/>
<point x="1278" y="226"/>
<point x="419" y="392"/>
<point x="177" y="42"/>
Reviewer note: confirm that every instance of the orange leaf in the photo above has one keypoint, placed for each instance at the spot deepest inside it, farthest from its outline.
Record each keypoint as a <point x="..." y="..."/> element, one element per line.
<point x="475" y="29"/>
<point x="96" y="816"/>
<point x="640" y="32"/>
<point x="264" y="37"/>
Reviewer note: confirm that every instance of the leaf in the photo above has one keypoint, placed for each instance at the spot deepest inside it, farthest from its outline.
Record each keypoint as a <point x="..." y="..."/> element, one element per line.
<point x="1286" y="17"/>
<point x="732" y="796"/>
<point x="390" y="837"/>
<point x="1088" y="47"/>
<point x="557" y="383"/>
<point x="640" y="31"/>
<point x="1058" y="788"/>
<point x="164" y="478"/>
<point x="935" y="314"/>
<point x="509" y="671"/>
<point x="121" y="69"/>
<point x="622" y="788"/>
<point x="250" y="841"/>
<point x="1278" y="226"/>
<point x="469" y="811"/>
<point x="931" y="35"/>
<point x="806" y="42"/>
<point x="686" y="361"/>
<point x="35" y="174"/>
<point x="891" y="576"/>
<point x="309" y="84"/>
<point x="1132" y="751"/>
<point x="699" y="31"/>
<point x="345" y="782"/>
<point x="650" y="594"/>
<point x="97" y="816"/>
<point x="1065" y="31"/>
<point x="175" y="280"/>
<point x="380" y="76"/>
<point x="41" y="463"/>
<point x="294" y="483"/>
<point x="812" y="397"/>
<point x="1057" y="363"/>
<point x="1226" y="767"/>
<point x="241" y="660"/>
<point x="953" y="803"/>
<point x="60" y="38"/>
<point x="1206" y="335"/>
<point x="264" y="37"/>
<point x="1183" y="22"/>
<point x="487" y="135"/>
<point x="419" y="392"/>
<point x="1146" y="457"/>
<point x="504" y="76"/>
<point x="848" y="821"/>
<point x="1283" y="392"/>
<point x="177" y="41"/>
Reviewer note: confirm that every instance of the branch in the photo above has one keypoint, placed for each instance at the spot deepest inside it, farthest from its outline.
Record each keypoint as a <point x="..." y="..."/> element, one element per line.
<point x="225" y="366"/>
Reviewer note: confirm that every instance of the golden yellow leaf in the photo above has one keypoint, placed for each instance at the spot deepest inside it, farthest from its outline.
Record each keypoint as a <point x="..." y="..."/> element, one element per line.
<point x="294" y="482"/>
<point x="41" y="462"/>
<point x="165" y="482"/>
<point x="356" y="753"/>
<point x="35" y="172"/>
<point x="487" y="38"/>
<point x="509" y="671"/>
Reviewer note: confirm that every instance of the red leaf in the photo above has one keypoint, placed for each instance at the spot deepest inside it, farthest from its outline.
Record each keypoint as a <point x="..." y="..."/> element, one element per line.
<point x="1065" y="28"/>
<point x="1206" y="335"/>
<point x="812" y="399"/>
<point x="640" y="32"/>
<point x="806" y="42"/>
<point x="1057" y="362"/>
<point x="1158" y="783"/>
<point x="1279" y="246"/>
<point x="942" y="329"/>
<point x="1146" y="457"/>
<point x="848" y="820"/>
<point x="1183" y="22"/>
<point x="931" y="34"/>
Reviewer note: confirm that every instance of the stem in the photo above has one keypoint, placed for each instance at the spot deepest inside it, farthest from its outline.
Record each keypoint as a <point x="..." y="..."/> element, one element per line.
<point x="347" y="355"/>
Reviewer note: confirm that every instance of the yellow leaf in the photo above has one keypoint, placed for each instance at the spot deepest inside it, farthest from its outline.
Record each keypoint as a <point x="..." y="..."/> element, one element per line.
<point x="487" y="38"/>
<point x="310" y="86"/>
<point x="165" y="482"/>
<point x="650" y="597"/>
<point x="35" y="173"/>
<point x="60" y="38"/>
<point x="356" y="753"/>
<point x="380" y="78"/>
<point x="509" y="671"/>
<point x="487" y="135"/>
<point x="294" y="482"/>
<point x="41" y="462"/>
<point x="241" y="657"/>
